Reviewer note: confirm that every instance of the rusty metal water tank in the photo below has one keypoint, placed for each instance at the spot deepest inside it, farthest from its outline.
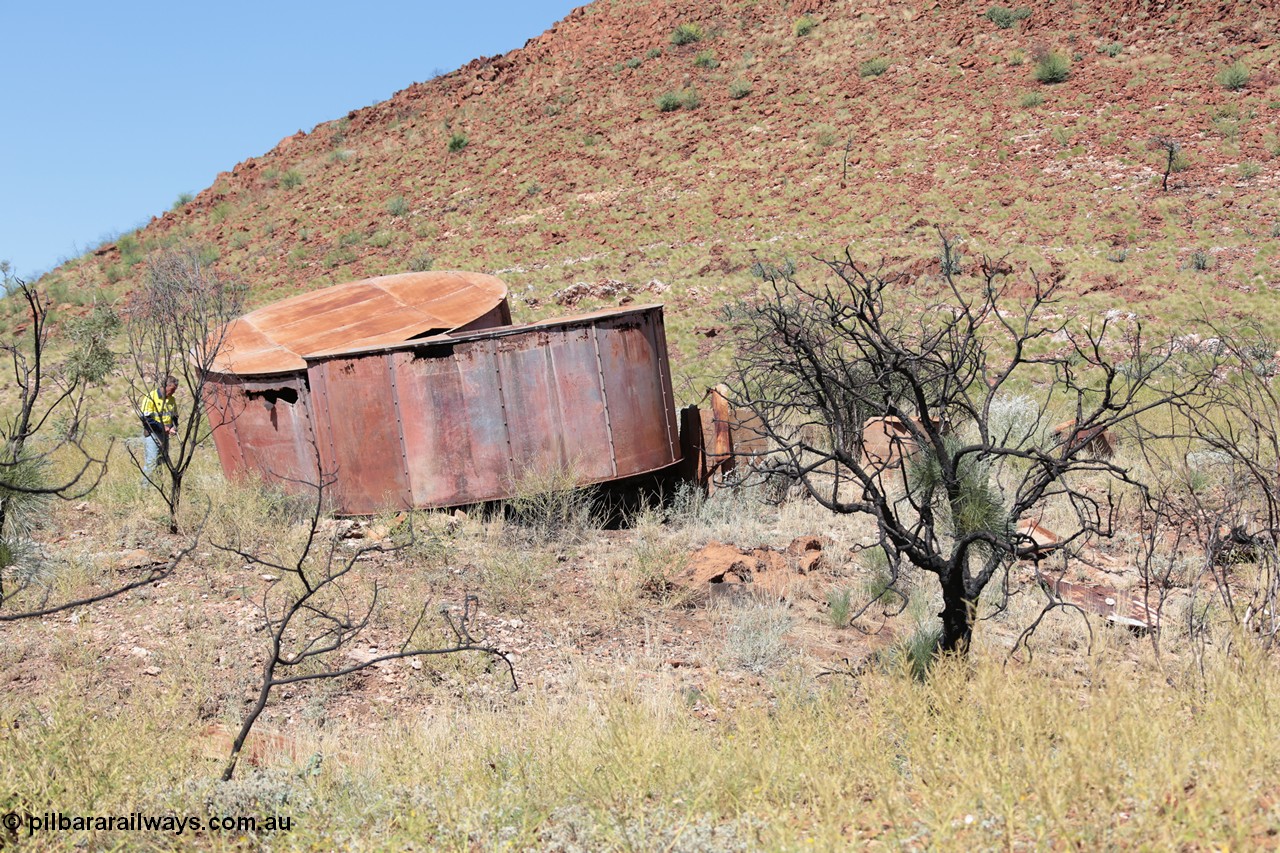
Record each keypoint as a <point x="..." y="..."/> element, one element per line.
<point x="442" y="418"/>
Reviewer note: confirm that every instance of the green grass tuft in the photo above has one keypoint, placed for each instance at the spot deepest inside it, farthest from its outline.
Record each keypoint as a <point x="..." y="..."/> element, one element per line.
<point x="873" y="67"/>
<point x="1234" y="77"/>
<point x="687" y="34"/>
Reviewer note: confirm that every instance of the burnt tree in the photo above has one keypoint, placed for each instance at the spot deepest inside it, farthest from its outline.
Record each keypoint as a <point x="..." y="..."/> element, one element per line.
<point x="986" y="409"/>
<point x="40" y="430"/>
<point x="314" y="610"/>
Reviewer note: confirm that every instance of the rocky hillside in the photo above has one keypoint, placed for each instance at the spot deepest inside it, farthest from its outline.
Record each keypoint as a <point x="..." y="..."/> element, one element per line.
<point x="645" y="146"/>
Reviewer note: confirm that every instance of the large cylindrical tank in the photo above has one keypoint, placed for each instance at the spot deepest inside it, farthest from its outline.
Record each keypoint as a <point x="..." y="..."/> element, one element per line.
<point x="398" y="418"/>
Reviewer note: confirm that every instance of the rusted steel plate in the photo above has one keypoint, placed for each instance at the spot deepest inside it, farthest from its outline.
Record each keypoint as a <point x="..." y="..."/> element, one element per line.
<point x="720" y="440"/>
<point x="1043" y="540"/>
<point x="358" y="431"/>
<point x="637" y="392"/>
<point x="376" y="311"/>
<point x="1121" y="608"/>
<point x="454" y="431"/>
<point x="263" y="427"/>
<point x="1095" y="440"/>
<point x="221" y="404"/>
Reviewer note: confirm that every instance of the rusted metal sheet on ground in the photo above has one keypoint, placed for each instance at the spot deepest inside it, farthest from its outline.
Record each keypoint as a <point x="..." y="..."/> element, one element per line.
<point x="1097" y="441"/>
<point x="886" y="441"/>
<point x="1043" y="541"/>
<point x="1119" y="608"/>
<point x="384" y="310"/>
<point x="720" y="439"/>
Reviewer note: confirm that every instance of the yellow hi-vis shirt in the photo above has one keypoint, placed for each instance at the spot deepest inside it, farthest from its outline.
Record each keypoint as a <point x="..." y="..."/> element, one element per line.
<point x="163" y="410"/>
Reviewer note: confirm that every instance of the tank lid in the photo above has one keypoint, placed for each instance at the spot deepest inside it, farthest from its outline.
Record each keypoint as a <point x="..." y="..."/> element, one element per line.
<point x="389" y="309"/>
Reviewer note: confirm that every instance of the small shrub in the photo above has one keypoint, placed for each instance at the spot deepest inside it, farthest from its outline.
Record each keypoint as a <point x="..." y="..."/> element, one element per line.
<point x="457" y="141"/>
<point x="338" y="257"/>
<point x="182" y="201"/>
<point x="1200" y="261"/>
<point x="824" y="136"/>
<point x="653" y="53"/>
<point x="633" y="62"/>
<point x="511" y="577"/>
<point x="1275" y="229"/>
<point x="220" y="212"/>
<point x="1014" y="420"/>
<point x="1004" y="18"/>
<point x="687" y="34"/>
<point x="706" y="59"/>
<point x="291" y="179"/>
<point x="1249" y="170"/>
<point x="803" y="26"/>
<point x="686" y="99"/>
<point x="397" y="206"/>
<point x="739" y="89"/>
<point x="1031" y="99"/>
<point x="1113" y="49"/>
<point x="873" y="67"/>
<point x="1017" y="58"/>
<point x="341" y="155"/>
<point x="669" y="102"/>
<point x="1234" y="77"/>
<point x="1118" y="256"/>
<point x="1052" y="67"/>
<point x="92" y="359"/>
<point x="339" y="133"/>
<point x="533" y="189"/>
<point x="421" y="262"/>
<point x="783" y="270"/>
<point x="1228" y="128"/>
<point x="381" y="239"/>
<point x="951" y="261"/>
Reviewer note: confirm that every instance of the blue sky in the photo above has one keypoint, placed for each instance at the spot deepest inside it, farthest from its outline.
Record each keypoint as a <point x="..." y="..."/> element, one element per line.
<point x="110" y="111"/>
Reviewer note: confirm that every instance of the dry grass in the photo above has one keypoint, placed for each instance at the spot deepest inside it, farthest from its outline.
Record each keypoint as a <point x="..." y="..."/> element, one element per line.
<point x="981" y="756"/>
